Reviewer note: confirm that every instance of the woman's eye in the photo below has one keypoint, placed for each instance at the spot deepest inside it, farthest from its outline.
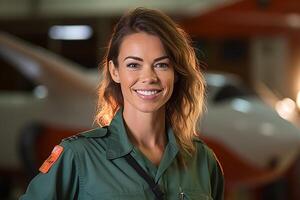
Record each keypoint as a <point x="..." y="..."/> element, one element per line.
<point x="132" y="65"/>
<point x="162" y="65"/>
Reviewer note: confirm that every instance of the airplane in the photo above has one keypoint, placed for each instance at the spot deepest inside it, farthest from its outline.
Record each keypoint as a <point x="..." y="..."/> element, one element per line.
<point x="61" y="88"/>
<point x="253" y="143"/>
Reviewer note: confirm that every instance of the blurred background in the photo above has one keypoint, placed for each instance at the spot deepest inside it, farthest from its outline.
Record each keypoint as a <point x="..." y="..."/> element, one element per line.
<point x="249" y="50"/>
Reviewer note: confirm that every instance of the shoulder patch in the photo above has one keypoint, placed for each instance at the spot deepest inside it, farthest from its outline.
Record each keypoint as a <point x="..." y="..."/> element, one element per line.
<point x="56" y="152"/>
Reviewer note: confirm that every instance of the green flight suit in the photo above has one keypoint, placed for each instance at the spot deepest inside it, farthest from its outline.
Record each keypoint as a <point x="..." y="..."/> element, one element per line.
<point x="92" y="166"/>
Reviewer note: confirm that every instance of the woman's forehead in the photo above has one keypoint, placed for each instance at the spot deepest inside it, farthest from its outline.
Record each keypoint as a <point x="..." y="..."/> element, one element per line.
<point x="141" y="45"/>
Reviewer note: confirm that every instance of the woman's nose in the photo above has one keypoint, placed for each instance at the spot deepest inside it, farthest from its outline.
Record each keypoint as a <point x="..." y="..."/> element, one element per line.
<point x="149" y="75"/>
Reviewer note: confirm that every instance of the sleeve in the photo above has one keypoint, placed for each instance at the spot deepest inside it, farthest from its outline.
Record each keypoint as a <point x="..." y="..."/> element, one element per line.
<point x="61" y="181"/>
<point x="216" y="178"/>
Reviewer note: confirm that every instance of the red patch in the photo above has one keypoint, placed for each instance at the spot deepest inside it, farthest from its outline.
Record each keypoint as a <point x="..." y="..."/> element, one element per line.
<point x="51" y="159"/>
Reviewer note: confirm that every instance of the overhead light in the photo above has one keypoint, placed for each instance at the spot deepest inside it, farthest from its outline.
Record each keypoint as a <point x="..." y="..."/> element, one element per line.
<point x="286" y="108"/>
<point x="70" y="32"/>
<point x="40" y="91"/>
<point x="241" y="105"/>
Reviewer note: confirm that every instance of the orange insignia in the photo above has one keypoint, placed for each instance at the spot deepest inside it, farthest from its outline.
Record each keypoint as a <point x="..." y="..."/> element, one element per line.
<point x="51" y="159"/>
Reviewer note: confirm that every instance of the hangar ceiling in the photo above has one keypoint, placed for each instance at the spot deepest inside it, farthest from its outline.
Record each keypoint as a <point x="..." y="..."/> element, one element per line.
<point x="14" y="9"/>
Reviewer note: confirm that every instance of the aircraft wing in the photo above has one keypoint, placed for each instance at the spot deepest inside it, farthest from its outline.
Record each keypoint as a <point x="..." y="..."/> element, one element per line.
<point x="46" y="68"/>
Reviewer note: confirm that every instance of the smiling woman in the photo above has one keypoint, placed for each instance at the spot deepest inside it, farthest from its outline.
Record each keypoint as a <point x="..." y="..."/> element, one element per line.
<point x="144" y="72"/>
<point x="150" y="99"/>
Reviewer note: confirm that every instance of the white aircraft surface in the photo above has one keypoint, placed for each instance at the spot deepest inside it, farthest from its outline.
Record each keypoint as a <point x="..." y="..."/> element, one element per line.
<point x="252" y="142"/>
<point x="260" y="144"/>
<point x="65" y="95"/>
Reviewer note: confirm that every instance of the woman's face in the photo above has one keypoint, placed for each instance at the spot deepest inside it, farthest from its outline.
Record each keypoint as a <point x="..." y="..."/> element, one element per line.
<point x="145" y="72"/>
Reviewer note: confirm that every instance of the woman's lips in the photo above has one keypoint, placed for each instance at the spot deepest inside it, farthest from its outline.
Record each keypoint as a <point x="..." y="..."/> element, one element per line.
<point x="148" y="94"/>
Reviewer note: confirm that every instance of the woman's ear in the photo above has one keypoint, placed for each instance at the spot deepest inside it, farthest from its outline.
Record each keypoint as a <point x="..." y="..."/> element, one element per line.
<point x="114" y="72"/>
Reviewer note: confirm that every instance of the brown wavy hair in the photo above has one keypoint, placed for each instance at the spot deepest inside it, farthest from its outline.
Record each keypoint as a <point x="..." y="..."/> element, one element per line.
<point x="185" y="105"/>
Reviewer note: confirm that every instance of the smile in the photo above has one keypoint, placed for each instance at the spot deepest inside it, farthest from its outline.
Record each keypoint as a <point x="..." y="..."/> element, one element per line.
<point x="147" y="92"/>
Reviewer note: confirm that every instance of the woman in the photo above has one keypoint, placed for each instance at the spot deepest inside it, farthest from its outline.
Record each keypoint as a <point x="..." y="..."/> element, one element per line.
<point x="150" y="99"/>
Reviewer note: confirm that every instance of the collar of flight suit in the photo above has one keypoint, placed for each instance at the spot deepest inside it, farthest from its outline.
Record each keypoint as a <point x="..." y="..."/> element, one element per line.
<point x="118" y="144"/>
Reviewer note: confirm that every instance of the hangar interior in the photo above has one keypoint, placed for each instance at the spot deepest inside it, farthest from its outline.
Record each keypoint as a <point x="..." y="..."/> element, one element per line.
<point x="50" y="52"/>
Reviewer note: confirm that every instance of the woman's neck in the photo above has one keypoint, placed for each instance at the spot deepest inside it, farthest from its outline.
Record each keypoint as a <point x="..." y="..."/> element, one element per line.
<point x="145" y="129"/>
<point x="147" y="132"/>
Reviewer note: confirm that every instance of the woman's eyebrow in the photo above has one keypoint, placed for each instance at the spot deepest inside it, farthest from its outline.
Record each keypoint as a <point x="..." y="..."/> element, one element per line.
<point x="160" y="58"/>
<point x="134" y="57"/>
<point x="140" y="59"/>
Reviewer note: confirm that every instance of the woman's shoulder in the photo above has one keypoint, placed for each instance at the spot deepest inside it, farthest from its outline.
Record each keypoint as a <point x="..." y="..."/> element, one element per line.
<point x="200" y="144"/>
<point x="85" y="140"/>
<point x="204" y="150"/>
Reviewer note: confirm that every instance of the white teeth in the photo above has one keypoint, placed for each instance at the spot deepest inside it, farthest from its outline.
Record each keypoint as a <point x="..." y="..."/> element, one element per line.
<point x="147" y="92"/>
